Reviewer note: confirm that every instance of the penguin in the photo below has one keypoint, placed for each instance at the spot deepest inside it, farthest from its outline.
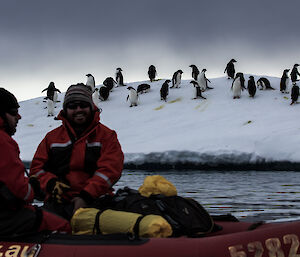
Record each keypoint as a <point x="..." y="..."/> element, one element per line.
<point x="230" y="69"/>
<point x="263" y="84"/>
<point x="251" y="86"/>
<point x="103" y="93"/>
<point x="294" y="94"/>
<point x="284" y="82"/>
<point x="143" y="88"/>
<point x="110" y="83"/>
<point x="119" y="77"/>
<point x="202" y="81"/>
<point x="95" y="97"/>
<point x="90" y="83"/>
<point x="51" y="90"/>
<point x="152" y="73"/>
<point x="133" y="96"/>
<point x="294" y="74"/>
<point x="176" y="79"/>
<point x="195" y="71"/>
<point x="50" y="107"/>
<point x="164" y="91"/>
<point x="241" y="75"/>
<point x="197" y="92"/>
<point x="237" y="86"/>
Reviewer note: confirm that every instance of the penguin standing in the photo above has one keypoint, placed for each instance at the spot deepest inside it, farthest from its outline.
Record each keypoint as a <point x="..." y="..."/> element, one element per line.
<point x="110" y="83"/>
<point x="95" y="97"/>
<point x="263" y="84"/>
<point x="197" y="92"/>
<point x="294" y="74"/>
<point x="230" y="69"/>
<point x="237" y="86"/>
<point x="164" y="91"/>
<point x="294" y="94"/>
<point x="152" y="73"/>
<point x="119" y="77"/>
<point x="195" y="72"/>
<point x="176" y="79"/>
<point x="90" y="82"/>
<point x="284" y="82"/>
<point x="241" y="75"/>
<point x="51" y="90"/>
<point x="132" y="97"/>
<point x="251" y="86"/>
<point x="202" y="81"/>
<point x="103" y="93"/>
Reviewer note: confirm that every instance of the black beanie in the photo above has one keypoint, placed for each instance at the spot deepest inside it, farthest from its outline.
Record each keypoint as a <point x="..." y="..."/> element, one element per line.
<point x="78" y="92"/>
<point x="7" y="101"/>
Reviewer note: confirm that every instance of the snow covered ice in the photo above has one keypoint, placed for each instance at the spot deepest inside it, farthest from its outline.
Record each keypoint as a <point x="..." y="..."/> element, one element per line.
<point x="217" y="131"/>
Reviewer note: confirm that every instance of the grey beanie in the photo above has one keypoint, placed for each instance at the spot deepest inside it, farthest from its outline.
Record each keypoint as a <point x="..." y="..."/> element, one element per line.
<point x="78" y="92"/>
<point x="7" y="101"/>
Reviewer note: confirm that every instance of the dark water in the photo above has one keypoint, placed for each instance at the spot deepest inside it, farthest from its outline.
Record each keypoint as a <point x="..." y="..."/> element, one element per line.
<point x="248" y="195"/>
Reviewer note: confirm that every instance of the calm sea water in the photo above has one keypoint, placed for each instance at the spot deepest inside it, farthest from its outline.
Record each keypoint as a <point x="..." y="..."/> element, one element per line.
<point x="248" y="195"/>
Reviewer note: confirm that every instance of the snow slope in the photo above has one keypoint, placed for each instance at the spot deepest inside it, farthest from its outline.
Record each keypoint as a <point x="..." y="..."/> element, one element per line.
<point x="220" y="132"/>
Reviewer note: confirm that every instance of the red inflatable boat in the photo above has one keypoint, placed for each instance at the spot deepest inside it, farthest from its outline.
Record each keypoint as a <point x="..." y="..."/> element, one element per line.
<point x="235" y="239"/>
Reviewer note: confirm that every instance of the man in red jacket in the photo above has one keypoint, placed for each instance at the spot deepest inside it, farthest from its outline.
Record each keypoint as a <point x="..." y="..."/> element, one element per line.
<point x="79" y="161"/>
<point x="17" y="215"/>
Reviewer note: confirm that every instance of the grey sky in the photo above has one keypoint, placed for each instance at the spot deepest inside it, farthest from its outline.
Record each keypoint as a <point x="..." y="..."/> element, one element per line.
<point x="61" y="41"/>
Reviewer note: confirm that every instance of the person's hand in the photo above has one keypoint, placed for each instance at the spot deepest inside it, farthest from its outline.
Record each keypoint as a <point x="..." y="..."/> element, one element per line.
<point x="38" y="193"/>
<point x="58" y="191"/>
<point x="78" y="203"/>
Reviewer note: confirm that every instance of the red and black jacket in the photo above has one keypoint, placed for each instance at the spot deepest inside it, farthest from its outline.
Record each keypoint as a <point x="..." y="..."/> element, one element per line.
<point x="91" y="164"/>
<point x="15" y="188"/>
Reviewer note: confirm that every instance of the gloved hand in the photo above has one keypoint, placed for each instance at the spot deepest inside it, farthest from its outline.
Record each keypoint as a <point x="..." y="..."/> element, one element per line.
<point x="59" y="190"/>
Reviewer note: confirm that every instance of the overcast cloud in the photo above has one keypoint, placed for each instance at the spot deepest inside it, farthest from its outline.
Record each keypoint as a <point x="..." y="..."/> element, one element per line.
<point x="61" y="41"/>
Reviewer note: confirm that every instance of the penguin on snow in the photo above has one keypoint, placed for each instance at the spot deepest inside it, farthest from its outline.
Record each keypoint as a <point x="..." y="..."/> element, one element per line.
<point x="294" y="94"/>
<point x="197" y="92"/>
<point x="203" y="81"/>
<point x="263" y="84"/>
<point x="195" y="71"/>
<point x="284" y="81"/>
<point x="143" y="88"/>
<point x="176" y="79"/>
<point x="95" y="97"/>
<point x="119" y="77"/>
<point x="230" y="69"/>
<point x="90" y="82"/>
<point x="294" y="74"/>
<point x="152" y="72"/>
<point x="251" y="86"/>
<point x="103" y="93"/>
<point x="237" y="86"/>
<point x="110" y="83"/>
<point x="164" y="91"/>
<point x="132" y="97"/>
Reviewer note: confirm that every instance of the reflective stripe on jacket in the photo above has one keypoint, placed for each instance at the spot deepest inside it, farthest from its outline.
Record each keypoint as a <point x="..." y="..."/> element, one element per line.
<point x="92" y="163"/>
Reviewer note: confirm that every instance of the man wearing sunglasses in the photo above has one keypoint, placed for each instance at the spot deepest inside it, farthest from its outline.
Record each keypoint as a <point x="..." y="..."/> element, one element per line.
<point x="79" y="161"/>
<point x="17" y="191"/>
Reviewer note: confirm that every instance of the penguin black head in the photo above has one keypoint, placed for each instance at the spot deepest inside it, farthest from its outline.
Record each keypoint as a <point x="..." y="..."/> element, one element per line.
<point x="180" y="71"/>
<point x="119" y="69"/>
<point x="89" y="75"/>
<point x="286" y="70"/>
<point x="167" y="81"/>
<point x="232" y="60"/>
<point x="296" y="65"/>
<point x="192" y="66"/>
<point x="204" y="70"/>
<point x="251" y="77"/>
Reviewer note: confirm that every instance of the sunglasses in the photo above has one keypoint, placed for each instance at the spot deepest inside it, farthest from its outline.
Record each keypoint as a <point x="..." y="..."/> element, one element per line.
<point x="13" y="112"/>
<point x="82" y="105"/>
